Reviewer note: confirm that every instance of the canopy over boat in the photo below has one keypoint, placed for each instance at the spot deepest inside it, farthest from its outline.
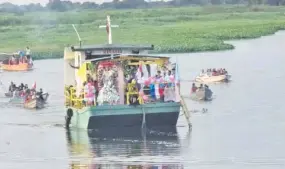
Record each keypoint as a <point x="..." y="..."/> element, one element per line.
<point x="5" y="56"/>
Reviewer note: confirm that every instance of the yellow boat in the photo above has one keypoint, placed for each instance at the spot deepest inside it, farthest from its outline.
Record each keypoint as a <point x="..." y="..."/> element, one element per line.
<point x="17" y="66"/>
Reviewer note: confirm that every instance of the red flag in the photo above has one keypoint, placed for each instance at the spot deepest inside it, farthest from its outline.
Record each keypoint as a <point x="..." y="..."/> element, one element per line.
<point x="34" y="85"/>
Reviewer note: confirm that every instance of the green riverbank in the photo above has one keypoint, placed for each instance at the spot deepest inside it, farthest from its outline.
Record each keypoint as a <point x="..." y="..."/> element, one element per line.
<point x="171" y="30"/>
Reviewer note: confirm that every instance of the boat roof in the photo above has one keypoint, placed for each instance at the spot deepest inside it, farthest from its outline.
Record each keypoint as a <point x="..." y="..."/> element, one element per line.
<point x="112" y="46"/>
<point x="9" y="54"/>
<point x="144" y="56"/>
<point x="129" y="57"/>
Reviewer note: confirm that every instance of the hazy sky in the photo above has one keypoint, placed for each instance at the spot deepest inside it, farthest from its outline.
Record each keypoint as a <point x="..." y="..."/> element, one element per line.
<point x="21" y="2"/>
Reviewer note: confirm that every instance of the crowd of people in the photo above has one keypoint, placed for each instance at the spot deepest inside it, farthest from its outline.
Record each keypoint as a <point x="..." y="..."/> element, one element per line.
<point x="104" y="89"/>
<point x="214" y="72"/>
<point x="23" y="91"/>
<point x="24" y="57"/>
<point x="195" y="89"/>
<point x="152" y="89"/>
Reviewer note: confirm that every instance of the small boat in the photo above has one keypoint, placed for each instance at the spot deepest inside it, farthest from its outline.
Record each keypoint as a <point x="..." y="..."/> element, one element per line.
<point x="202" y="95"/>
<point x="17" y="66"/>
<point x="205" y="78"/>
<point x="36" y="103"/>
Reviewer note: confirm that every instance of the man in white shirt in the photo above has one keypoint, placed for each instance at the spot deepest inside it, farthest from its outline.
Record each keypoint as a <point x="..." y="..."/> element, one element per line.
<point x="28" y="52"/>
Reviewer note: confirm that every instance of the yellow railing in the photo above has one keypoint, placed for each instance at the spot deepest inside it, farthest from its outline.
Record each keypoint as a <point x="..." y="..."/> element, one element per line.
<point x="132" y="90"/>
<point x="72" y="100"/>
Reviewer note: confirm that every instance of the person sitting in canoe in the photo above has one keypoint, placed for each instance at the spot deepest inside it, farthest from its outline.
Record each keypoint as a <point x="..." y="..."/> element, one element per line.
<point x="28" y="95"/>
<point x="12" y="60"/>
<point x="208" y="92"/>
<point x="194" y="88"/>
<point x="16" y="92"/>
<point x="40" y="94"/>
<point x="11" y="87"/>
<point x="201" y="87"/>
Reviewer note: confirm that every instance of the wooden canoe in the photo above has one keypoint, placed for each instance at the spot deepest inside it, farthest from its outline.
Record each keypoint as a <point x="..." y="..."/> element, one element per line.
<point x="34" y="104"/>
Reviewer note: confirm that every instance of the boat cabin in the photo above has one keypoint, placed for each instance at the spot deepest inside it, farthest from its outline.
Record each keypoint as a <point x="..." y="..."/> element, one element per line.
<point x="113" y="74"/>
<point x="77" y="55"/>
<point x="118" y="75"/>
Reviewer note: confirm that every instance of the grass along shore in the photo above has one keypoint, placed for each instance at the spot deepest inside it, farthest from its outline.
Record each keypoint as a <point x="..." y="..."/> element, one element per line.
<point x="171" y="30"/>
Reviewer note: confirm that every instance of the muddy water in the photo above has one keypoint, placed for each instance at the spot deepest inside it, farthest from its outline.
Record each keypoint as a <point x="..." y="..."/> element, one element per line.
<point x="243" y="127"/>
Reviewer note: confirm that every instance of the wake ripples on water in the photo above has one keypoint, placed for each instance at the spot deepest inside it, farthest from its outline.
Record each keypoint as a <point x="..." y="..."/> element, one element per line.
<point x="141" y="160"/>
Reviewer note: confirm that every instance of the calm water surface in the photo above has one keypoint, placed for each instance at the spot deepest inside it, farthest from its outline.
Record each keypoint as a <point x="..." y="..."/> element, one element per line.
<point x="243" y="128"/>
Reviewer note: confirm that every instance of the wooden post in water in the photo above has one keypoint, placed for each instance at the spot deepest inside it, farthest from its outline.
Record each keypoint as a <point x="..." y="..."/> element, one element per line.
<point x="185" y="111"/>
<point x="179" y="97"/>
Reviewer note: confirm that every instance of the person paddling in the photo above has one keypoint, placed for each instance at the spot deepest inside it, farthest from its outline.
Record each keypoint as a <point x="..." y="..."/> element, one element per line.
<point x="40" y="94"/>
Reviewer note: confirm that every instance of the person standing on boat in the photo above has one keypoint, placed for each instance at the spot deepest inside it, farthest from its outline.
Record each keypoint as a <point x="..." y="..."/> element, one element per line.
<point x="158" y="75"/>
<point x="28" y="52"/>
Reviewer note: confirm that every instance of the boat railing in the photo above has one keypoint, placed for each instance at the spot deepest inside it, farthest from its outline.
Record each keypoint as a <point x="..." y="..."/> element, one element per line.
<point x="71" y="99"/>
<point x="133" y="91"/>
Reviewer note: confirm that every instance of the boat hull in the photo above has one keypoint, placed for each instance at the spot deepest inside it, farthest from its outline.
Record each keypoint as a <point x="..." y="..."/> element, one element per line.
<point x="212" y="79"/>
<point x="32" y="104"/>
<point x="158" y="114"/>
<point x="17" y="67"/>
<point x="9" y="94"/>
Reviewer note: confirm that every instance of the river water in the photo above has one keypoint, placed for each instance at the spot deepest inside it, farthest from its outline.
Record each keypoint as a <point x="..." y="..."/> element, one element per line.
<point x="243" y="128"/>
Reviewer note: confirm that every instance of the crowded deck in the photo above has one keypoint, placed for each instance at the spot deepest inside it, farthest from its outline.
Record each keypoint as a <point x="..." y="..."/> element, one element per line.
<point x="125" y="79"/>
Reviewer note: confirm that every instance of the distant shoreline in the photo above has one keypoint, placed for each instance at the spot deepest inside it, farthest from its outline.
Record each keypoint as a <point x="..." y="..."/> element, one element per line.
<point x="59" y="55"/>
<point x="171" y="30"/>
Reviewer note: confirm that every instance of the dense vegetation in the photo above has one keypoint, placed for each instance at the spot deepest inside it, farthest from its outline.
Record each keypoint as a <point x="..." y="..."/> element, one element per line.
<point x="65" y="5"/>
<point x="179" y="29"/>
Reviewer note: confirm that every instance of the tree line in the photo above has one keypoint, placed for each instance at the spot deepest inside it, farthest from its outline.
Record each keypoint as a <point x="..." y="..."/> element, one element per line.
<point x="61" y="6"/>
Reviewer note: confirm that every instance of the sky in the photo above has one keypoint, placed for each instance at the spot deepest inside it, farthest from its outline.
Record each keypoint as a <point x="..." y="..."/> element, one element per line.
<point x="43" y="2"/>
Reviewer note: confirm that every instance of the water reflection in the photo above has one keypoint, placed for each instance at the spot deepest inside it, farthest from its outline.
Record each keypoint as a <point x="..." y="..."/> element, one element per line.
<point x="131" y="149"/>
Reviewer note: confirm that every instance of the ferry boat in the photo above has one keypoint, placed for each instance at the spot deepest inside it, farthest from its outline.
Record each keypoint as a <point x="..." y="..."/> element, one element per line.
<point x="117" y="103"/>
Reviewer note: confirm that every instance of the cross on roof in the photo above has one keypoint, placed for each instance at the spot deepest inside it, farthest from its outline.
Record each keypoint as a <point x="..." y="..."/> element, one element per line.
<point x="108" y="29"/>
